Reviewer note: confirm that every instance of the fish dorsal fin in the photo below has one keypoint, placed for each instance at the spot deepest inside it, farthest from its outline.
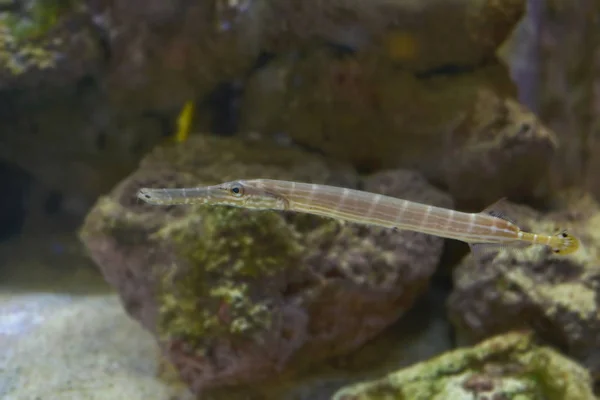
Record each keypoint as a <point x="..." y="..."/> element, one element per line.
<point x="494" y="211"/>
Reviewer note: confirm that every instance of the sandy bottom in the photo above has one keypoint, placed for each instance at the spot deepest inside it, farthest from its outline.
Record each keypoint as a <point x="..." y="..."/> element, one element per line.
<point x="63" y="333"/>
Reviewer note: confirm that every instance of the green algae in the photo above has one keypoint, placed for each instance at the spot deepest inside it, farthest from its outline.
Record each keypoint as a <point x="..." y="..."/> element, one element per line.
<point x="223" y="285"/>
<point x="39" y="18"/>
<point x="509" y="366"/>
<point x="22" y="42"/>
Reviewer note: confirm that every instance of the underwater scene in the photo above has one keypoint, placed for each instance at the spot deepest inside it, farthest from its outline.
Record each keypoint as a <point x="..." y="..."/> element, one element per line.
<point x="300" y="199"/>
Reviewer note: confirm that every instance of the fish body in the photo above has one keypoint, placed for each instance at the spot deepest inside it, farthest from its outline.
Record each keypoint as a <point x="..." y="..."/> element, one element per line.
<point x="184" y="122"/>
<point x="356" y="206"/>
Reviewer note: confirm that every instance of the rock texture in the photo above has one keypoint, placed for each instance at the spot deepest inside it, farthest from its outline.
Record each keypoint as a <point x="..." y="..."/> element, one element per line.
<point x="47" y="43"/>
<point x="533" y="288"/>
<point x="90" y="85"/>
<point x="555" y="61"/>
<point x="462" y="130"/>
<point x="421" y="36"/>
<point x="165" y="53"/>
<point x="238" y="297"/>
<point x="504" y="367"/>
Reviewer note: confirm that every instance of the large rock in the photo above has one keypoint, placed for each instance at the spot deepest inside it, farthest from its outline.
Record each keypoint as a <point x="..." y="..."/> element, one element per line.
<point x="73" y="142"/>
<point x="557" y="296"/>
<point x="419" y="35"/>
<point x="165" y="53"/>
<point x="47" y="44"/>
<point x="237" y="297"/>
<point x="462" y="130"/>
<point x="555" y="59"/>
<point x="511" y="366"/>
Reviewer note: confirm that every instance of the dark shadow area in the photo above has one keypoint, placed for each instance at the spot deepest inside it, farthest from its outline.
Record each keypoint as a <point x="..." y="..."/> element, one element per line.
<point x="16" y="184"/>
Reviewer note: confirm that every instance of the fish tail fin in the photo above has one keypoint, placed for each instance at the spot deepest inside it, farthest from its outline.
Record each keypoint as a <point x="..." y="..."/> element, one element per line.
<point x="566" y="243"/>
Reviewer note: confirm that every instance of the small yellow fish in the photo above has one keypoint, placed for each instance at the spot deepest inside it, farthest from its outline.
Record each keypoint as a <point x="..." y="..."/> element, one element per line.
<point x="402" y="46"/>
<point x="184" y="122"/>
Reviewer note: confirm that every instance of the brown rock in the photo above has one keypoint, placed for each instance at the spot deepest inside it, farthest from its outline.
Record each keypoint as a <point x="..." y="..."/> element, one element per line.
<point x="504" y="367"/>
<point x="557" y="296"/>
<point x="555" y="59"/>
<point x="421" y="36"/>
<point x="462" y="130"/>
<point x="48" y="46"/>
<point x="238" y="297"/>
<point x="500" y="149"/>
<point x="165" y="53"/>
<point x="73" y="141"/>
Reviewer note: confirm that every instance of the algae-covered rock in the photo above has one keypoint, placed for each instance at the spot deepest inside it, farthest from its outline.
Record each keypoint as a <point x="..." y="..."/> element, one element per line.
<point x="557" y="296"/>
<point x="462" y="130"/>
<point x="505" y="367"/>
<point x="419" y="35"/>
<point x="47" y="42"/>
<point x="164" y="53"/>
<point x="238" y="297"/>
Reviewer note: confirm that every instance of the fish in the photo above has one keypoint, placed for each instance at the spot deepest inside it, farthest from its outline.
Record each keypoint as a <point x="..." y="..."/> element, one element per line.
<point x="487" y="227"/>
<point x="184" y="122"/>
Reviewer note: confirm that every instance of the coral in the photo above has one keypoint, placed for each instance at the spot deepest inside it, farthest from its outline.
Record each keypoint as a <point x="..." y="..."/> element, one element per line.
<point x="511" y="366"/>
<point x="238" y="298"/>
<point x="556" y="296"/>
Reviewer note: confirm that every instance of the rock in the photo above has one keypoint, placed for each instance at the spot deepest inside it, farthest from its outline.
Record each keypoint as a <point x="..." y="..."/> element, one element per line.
<point x="557" y="296"/>
<point x="420" y="36"/>
<point x="503" y="367"/>
<point x="73" y="141"/>
<point x="166" y="53"/>
<point x="464" y="131"/>
<point x="556" y="38"/>
<point x="422" y="333"/>
<point x="239" y="299"/>
<point x="49" y="44"/>
<point x="500" y="149"/>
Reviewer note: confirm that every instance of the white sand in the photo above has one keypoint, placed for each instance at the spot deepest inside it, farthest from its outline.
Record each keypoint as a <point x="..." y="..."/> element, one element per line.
<point x="63" y="332"/>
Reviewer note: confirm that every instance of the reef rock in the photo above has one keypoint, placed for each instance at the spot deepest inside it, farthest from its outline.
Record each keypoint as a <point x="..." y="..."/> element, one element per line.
<point x="73" y="141"/>
<point x="462" y="130"/>
<point x="165" y="53"/>
<point x="557" y="296"/>
<point x="48" y="44"/>
<point x="419" y="35"/>
<point x="413" y="85"/>
<point x="504" y="367"/>
<point x="239" y="297"/>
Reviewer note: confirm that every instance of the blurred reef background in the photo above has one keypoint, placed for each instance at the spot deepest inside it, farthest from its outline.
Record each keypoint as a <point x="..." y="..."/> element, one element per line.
<point x="455" y="103"/>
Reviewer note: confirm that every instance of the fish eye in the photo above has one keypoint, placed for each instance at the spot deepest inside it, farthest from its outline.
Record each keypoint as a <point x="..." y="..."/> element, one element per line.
<point x="237" y="190"/>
